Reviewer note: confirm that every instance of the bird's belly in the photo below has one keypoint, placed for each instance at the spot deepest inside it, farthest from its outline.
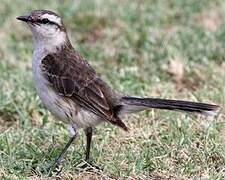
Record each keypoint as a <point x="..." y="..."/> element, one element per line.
<point x="63" y="108"/>
<point x="50" y="100"/>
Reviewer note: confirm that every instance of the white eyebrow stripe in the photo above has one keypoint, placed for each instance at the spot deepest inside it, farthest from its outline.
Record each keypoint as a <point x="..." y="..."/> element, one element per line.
<point x="52" y="18"/>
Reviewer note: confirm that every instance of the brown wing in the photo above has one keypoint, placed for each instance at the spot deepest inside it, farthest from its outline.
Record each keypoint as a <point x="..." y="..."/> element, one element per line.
<point x="71" y="76"/>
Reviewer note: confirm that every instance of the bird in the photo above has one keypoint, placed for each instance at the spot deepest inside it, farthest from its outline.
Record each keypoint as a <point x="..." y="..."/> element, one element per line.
<point x="74" y="93"/>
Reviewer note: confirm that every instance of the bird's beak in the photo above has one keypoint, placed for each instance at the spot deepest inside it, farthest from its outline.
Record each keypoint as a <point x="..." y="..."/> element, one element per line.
<point x="24" y="18"/>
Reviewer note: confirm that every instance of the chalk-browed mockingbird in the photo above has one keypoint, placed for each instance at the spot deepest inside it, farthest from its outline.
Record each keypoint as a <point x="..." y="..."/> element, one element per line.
<point x="72" y="91"/>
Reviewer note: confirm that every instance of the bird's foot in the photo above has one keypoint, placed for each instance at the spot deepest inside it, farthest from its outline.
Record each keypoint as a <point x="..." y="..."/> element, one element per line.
<point x="88" y="166"/>
<point x="55" y="169"/>
<point x="58" y="169"/>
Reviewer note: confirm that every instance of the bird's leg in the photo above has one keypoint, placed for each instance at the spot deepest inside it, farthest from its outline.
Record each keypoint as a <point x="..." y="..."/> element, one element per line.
<point x="58" y="160"/>
<point x="88" y="164"/>
<point x="88" y="132"/>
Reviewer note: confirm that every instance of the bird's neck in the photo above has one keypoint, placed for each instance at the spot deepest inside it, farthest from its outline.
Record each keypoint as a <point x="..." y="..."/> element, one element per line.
<point x="50" y="44"/>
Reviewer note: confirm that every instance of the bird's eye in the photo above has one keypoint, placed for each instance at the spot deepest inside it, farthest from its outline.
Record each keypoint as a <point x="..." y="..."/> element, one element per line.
<point x="45" y="21"/>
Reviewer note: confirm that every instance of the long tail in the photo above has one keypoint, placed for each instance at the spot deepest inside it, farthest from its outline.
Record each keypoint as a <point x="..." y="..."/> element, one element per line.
<point x="134" y="104"/>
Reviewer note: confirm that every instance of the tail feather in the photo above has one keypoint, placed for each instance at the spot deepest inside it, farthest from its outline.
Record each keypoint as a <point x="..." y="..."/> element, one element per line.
<point x="134" y="104"/>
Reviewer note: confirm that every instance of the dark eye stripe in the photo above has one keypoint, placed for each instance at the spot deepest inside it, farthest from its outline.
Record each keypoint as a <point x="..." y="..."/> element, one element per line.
<point x="46" y="21"/>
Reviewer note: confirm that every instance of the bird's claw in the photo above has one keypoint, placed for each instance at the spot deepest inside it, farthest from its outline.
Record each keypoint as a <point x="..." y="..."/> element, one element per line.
<point x="87" y="166"/>
<point x="55" y="169"/>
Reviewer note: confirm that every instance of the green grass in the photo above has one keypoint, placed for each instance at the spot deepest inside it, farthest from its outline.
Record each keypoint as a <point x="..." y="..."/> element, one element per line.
<point x="130" y="43"/>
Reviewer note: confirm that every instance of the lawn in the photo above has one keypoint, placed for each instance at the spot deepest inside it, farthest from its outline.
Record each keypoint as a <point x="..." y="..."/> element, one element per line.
<point x="165" y="48"/>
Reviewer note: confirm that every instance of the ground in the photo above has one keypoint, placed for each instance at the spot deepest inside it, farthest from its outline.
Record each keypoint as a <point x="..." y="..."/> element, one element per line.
<point x="166" y="48"/>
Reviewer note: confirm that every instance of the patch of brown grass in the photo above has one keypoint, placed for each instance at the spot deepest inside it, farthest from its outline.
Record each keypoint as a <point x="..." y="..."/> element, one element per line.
<point x="210" y="19"/>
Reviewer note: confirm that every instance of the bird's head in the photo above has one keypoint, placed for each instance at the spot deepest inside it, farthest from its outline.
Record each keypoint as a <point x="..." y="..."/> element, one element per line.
<point x="46" y="26"/>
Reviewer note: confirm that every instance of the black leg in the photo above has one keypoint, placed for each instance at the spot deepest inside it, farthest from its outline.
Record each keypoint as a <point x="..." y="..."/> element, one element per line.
<point x="58" y="160"/>
<point x="88" y="132"/>
<point x="88" y="164"/>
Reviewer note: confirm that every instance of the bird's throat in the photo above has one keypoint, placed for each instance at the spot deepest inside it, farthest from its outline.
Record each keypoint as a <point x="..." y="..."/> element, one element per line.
<point x="49" y="44"/>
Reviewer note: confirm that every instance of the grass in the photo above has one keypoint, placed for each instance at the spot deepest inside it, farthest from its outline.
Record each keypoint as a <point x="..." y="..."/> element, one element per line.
<point x="131" y="44"/>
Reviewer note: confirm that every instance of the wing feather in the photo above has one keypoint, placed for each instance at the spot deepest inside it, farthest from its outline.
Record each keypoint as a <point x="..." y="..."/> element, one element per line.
<point x="71" y="76"/>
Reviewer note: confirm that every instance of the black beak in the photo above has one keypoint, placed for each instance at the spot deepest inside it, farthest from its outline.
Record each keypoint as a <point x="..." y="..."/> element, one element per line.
<point x="23" y="18"/>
